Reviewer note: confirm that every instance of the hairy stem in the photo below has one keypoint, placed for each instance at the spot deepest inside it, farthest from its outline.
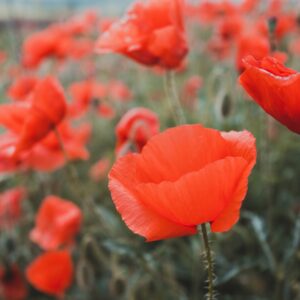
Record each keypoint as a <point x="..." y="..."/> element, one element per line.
<point x="209" y="259"/>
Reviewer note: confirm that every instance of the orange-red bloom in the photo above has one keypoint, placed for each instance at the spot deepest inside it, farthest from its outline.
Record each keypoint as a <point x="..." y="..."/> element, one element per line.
<point x="59" y="41"/>
<point x="135" y="128"/>
<point x="57" y="222"/>
<point x="46" y="155"/>
<point x="83" y="93"/>
<point x="51" y="273"/>
<point x="100" y="169"/>
<point x="10" y="207"/>
<point x="253" y="44"/>
<point x="152" y="33"/>
<point x="22" y="88"/>
<point x="33" y="123"/>
<point x="119" y="91"/>
<point x="275" y="88"/>
<point x="185" y="176"/>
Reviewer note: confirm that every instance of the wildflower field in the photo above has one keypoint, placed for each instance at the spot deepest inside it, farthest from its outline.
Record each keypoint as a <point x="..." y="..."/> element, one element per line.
<point x="153" y="154"/>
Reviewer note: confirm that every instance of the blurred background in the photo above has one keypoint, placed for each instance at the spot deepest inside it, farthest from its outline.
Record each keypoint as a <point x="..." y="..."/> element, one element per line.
<point x="53" y="9"/>
<point x="259" y="259"/>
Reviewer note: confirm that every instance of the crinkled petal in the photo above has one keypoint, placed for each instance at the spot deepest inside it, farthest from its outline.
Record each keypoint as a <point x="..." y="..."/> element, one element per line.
<point x="178" y="151"/>
<point x="197" y="197"/>
<point x="137" y="216"/>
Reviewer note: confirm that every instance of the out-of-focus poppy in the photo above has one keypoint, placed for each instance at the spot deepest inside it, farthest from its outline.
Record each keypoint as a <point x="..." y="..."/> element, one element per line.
<point x="100" y="169"/>
<point x="57" y="222"/>
<point x="51" y="273"/>
<point x="10" y="207"/>
<point x="275" y="88"/>
<point x="59" y="41"/>
<point x="79" y="48"/>
<point x="230" y="28"/>
<point x="135" y="128"/>
<point x="251" y="44"/>
<point x="219" y="48"/>
<point x="12" y="284"/>
<point x="73" y="139"/>
<point x="209" y="12"/>
<point x="39" y="46"/>
<point x="119" y="91"/>
<point x="22" y="87"/>
<point x="152" y="33"/>
<point x="191" y="89"/>
<point x="47" y="154"/>
<point x="185" y="176"/>
<point x="284" y="24"/>
<point x="192" y="86"/>
<point x="83" y="94"/>
<point x="106" y="111"/>
<point x="33" y="123"/>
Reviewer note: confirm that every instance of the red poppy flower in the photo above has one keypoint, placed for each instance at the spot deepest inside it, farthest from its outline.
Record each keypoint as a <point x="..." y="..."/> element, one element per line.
<point x="152" y="33"/>
<point x="57" y="222"/>
<point x="275" y="88"/>
<point x="73" y="139"/>
<point x="33" y="123"/>
<point x="251" y="44"/>
<point x="100" y="169"/>
<point x="81" y="48"/>
<point x="46" y="155"/>
<point x="10" y="207"/>
<point x="230" y="28"/>
<point x="83" y="93"/>
<point x="192" y="87"/>
<point x="118" y="91"/>
<point x="39" y="46"/>
<point x="183" y="177"/>
<point x="219" y="48"/>
<point x="135" y="128"/>
<point x="51" y="273"/>
<point x="12" y="284"/>
<point x="285" y="24"/>
<point x="22" y="88"/>
<point x="106" y="111"/>
<point x="210" y="12"/>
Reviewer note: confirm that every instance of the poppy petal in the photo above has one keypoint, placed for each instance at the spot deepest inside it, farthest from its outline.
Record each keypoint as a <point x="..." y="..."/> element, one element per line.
<point x="51" y="273"/>
<point x="197" y="197"/>
<point x="13" y="116"/>
<point x="165" y="159"/>
<point x="277" y="92"/>
<point x="137" y="216"/>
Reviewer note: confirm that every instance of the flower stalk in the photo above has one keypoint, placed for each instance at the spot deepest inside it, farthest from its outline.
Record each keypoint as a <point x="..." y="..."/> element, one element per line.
<point x="209" y="261"/>
<point x="179" y="117"/>
<point x="173" y="98"/>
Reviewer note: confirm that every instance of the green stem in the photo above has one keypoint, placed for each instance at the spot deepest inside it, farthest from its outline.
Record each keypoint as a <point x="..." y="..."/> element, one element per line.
<point x="173" y="98"/>
<point x="180" y="119"/>
<point x="209" y="260"/>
